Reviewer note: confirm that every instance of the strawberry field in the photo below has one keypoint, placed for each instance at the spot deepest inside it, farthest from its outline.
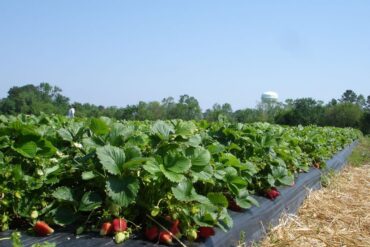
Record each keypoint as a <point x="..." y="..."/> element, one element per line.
<point x="162" y="181"/>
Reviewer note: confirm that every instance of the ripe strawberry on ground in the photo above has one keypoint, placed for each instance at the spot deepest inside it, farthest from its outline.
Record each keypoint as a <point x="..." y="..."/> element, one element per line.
<point x="151" y="233"/>
<point x="42" y="229"/>
<point x="165" y="237"/>
<point x="106" y="229"/>
<point x="272" y="193"/>
<point x="119" y="225"/>
<point x="205" y="232"/>
<point x="278" y="192"/>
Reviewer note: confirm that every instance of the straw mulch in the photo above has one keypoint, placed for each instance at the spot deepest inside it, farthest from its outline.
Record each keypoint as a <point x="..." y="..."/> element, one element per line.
<point x="338" y="215"/>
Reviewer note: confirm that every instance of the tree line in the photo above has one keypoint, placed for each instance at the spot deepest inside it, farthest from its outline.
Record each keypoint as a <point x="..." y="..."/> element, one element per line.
<point x="350" y="110"/>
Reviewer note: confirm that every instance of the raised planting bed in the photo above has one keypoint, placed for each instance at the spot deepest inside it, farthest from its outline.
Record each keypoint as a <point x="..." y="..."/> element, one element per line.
<point x="85" y="175"/>
<point x="249" y="227"/>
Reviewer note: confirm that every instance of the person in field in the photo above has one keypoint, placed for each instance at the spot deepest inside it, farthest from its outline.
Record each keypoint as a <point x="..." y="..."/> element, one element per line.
<point x="71" y="112"/>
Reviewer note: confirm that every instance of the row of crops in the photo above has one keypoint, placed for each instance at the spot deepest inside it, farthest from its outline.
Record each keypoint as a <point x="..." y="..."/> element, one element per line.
<point x="183" y="176"/>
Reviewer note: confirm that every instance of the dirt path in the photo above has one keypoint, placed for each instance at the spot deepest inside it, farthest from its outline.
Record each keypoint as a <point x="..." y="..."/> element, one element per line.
<point x="338" y="215"/>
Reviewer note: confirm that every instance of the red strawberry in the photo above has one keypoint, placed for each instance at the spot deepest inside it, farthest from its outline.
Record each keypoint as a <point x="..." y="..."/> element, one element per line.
<point x="277" y="193"/>
<point x="106" y="229"/>
<point x="272" y="193"/>
<point x="151" y="233"/>
<point x="176" y="222"/>
<point x="119" y="225"/>
<point x="233" y="206"/>
<point x="175" y="231"/>
<point x="42" y="229"/>
<point x="165" y="237"/>
<point x="175" y="228"/>
<point x="205" y="232"/>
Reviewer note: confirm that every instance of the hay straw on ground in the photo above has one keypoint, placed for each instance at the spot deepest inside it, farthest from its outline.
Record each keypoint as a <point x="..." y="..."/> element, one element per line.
<point x="338" y="215"/>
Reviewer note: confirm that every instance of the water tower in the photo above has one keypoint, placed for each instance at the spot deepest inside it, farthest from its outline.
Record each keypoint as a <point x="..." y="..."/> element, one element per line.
<point x="268" y="105"/>
<point x="269" y="97"/>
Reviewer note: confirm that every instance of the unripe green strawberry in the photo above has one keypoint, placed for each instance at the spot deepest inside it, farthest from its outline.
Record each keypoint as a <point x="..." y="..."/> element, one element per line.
<point x="191" y="235"/>
<point x="34" y="214"/>
<point x="120" y="237"/>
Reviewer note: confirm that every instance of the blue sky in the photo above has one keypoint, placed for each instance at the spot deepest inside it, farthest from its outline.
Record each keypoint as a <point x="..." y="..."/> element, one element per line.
<point x="120" y="52"/>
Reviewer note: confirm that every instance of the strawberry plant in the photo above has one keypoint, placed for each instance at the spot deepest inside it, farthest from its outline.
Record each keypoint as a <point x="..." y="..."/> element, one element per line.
<point x="104" y="175"/>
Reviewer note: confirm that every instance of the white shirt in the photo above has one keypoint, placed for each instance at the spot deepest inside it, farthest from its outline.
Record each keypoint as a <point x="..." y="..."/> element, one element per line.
<point x="71" y="112"/>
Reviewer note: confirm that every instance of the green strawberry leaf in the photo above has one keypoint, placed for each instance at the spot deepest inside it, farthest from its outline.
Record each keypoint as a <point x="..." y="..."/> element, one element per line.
<point x="99" y="127"/>
<point x="122" y="190"/>
<point x="185" y="192"/>
<point x="64" y="215"/>
<point x="112" y="159"/>
<point x="65" y="135"/>
<point x="27" y="149"/>
<point x="88" y="175"/>
<point x="218" y="199"/>
<point x="176" y="163"/>
<point x="63" y="194"/>
<point x="199" y="157"/>
<point x="90" y="201"/>
<point x="162" y="129"/>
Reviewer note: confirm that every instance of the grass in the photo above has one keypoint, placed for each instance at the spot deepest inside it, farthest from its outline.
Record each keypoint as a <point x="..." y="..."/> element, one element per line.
<point x="361" y="154"/>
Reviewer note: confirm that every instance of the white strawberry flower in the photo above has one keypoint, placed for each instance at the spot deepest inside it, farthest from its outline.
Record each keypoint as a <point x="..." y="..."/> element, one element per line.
<point x="54" y="160"/>
<point x="77" y="145"/>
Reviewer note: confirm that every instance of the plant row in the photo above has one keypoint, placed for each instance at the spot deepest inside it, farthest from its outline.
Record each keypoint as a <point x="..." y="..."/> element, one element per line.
<point x="162" y="180"/>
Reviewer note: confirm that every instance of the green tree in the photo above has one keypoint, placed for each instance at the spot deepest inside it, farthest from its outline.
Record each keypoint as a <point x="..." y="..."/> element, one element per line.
<point x="247" y="115"/>
<point x="303" y="111"/>
<point x="333" y="102"/>
<point x="343" y="115"/>
<point x="349" y="96"/>
<point x="217" y="111"/>
<point x="170" y="108"/>
<point x="130" y="112"/>
<point x="365" y="122"/>
<point x="30" y="99"/>
<point x="188" y="108"/>
<point x="361" y="101"/>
